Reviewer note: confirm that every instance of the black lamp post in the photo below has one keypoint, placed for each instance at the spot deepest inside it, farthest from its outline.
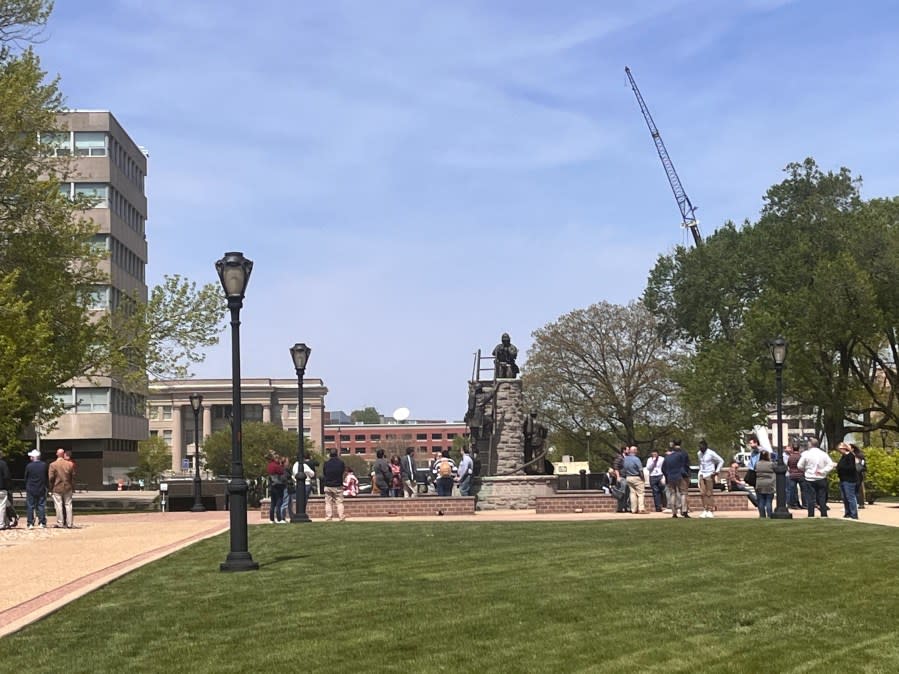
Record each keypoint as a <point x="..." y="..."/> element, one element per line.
<point x="234" y="273"/>
<point x="779" y="355"/>
<point x="883" y="438"/>
<point x="588" y="446"/>
<point x="300" y="355"/>
<point x="196" y="404"/>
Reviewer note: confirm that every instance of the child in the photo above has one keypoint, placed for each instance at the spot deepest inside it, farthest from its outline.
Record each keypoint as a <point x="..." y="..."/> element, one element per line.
<point x="350" y="483"/>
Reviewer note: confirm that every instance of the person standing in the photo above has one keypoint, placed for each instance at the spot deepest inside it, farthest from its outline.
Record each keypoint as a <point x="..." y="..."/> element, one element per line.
<point x="815" y="465"/>
<point x="710" y="464"/>
<point x="409" y="473"/>
<point x="5" y="491"/>
<point x="764" y="484"/>
<point x="444" y="471"/>
<point x="633" y="475"/>
<point x="277" y="486"/>
<point x="36" y="489"/>
<point x="677" y="478"/>
<point x="794" y="475"/>
<point x="333" y="472"/>
<point x="861" y="467"/>
<point x="848" y="475"/>
<point x="657" y="480"/>
<point x="620" y="480"/>
<point x="463" y="474"/>
<point x="61" y="478"/>
<point x="381" y="473"/>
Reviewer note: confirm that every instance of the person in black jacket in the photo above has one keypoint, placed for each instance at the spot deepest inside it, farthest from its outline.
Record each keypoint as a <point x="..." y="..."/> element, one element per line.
<point x="36" y="489"/>
<point x="333" y="472"/>
<point x="848" y="477"/>
<point x="677" y="479"/>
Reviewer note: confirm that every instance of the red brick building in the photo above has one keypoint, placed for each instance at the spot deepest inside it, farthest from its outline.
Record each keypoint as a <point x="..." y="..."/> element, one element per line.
<point x="365" y="439"/>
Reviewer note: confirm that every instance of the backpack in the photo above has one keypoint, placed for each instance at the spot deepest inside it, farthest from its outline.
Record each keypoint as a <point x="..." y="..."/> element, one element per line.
<point x="445" y="469"/>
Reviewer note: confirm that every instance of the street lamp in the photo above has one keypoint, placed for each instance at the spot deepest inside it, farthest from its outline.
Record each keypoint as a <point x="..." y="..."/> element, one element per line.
<point x="779" y="355"/>
<point x="196" y="404"/>
<point x="883" y="438"/>
<point x="588" y="446"/>
<point x="234" y="273"/>
<point x="300" y="355"/>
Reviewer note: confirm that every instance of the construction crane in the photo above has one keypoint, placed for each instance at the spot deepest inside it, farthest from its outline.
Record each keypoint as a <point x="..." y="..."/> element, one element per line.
<point x="687" y="211"/>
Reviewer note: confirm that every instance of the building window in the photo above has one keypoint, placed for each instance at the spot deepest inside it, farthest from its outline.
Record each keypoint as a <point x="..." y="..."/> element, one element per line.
<point x="153" y="412"/>
<point x="90" y="143"/>
<point x="57" y="144"/>
<point x="390" y="436"/>
<point x="166" y="412"/>
<point x="360" y="438"/>
<point x="436" y="448"/>
<point x="375" y="437"/>
<point x="344" y="438"/>
<point x="167" y="438"/>
<point x="344" y="450"/>
<point x="99" y="298"/>
<point x="436" y="436"/>
<point x="92" y="400"/>
<point x="292" y="411"/>
<point x="450" y="436"/>
<point x="360" y="450"/>
<point x="154" y="434"/>
<point x="98" y="193"/>
<point x="307" y="411"/>
<point x="421" y="436"/>
<point x="422" y="450"/>
<point x="329" y="438"/>
<point x="406" y="436"/>
<point x="221" y="411"/>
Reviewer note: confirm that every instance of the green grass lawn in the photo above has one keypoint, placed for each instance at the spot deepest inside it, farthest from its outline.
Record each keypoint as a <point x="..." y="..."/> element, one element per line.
<point x="661" y="595"/>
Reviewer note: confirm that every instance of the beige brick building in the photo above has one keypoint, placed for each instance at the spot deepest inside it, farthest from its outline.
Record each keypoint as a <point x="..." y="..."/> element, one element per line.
<point x="268" y="400"/>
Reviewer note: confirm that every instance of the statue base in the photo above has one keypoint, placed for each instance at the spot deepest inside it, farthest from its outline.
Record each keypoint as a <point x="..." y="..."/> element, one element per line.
<point x="513" y="492"/>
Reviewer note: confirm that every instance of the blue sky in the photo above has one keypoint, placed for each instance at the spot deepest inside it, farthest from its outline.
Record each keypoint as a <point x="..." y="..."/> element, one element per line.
<point x="412" y="179"/>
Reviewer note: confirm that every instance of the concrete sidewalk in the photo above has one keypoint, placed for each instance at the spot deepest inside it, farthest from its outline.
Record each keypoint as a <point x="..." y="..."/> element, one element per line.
<point x="48" y="568"/>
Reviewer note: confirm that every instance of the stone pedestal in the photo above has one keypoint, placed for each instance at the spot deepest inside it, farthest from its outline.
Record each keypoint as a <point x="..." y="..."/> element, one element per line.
<point x="513" y="492"/>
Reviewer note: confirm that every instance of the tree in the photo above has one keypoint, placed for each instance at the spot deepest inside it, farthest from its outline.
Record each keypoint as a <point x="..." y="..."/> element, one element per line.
<point x="48" y="270"/>
<point x="153" y="458"/>
<point x="368" y="415"/>
<point x="603" y="369"/>
<point x="258" y="440"/>
<point x="818" y="268"/>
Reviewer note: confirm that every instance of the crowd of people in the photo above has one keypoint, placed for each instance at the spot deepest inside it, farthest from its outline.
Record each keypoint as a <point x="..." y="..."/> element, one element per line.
<point x="668" y="478"/>
<point x="56" y="478"/>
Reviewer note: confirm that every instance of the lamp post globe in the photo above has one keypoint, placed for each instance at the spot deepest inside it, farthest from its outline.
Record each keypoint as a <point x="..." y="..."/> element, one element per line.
<point x="234" y="273"/>
<point x="196" y="404"/>
<point x="779" y="355"/>
<point x="299" y="354"/>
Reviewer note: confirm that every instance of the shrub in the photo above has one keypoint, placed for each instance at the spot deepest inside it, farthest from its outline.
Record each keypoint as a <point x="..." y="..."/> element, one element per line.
<point x="883" y="471"/>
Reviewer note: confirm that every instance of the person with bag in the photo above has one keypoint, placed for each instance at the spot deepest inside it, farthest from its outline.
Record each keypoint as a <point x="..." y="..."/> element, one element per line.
<point x="444" y="471"/>
<point x="381" y="474"/>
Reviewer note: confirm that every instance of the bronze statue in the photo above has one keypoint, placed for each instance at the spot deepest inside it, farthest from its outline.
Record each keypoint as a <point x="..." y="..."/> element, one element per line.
<point x="534" y="445"/>
<point x="504" y="355"/>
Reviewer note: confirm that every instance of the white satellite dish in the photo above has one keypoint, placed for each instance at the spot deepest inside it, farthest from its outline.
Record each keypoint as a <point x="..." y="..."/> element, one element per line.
<point x="401" y="413"/>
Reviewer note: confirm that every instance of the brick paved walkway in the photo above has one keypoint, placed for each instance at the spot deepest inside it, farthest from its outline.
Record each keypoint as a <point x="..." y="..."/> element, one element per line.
<point x="51" y="567"/>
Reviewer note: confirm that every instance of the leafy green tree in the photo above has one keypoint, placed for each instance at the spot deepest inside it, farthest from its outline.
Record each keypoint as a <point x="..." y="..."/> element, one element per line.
<point x="603" y="369"/>
<point x="153" y="458"/>
<point x="42" y="235"/>
<point x="818" y="268"/>
<point x="367" y="415"/>
<point x="258" y="440"/>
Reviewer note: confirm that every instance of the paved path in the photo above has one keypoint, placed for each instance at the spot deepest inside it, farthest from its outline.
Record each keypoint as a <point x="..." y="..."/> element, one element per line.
<point x="52" y="567"/>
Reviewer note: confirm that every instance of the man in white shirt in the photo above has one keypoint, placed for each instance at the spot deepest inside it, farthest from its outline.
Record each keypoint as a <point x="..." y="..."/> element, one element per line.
<point x="815" y="465"/>
<point x="657" y="480"/>
<point x="709" y="466"/>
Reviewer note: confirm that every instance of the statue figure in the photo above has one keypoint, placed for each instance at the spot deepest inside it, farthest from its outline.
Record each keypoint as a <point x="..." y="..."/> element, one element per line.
<point x="504" y="355"/>
<point x="534" y="445"/>
<point x="478" y="422"/>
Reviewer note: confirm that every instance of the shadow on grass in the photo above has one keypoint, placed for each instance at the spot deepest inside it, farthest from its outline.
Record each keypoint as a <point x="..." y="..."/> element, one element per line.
<point x="280" y="560"/>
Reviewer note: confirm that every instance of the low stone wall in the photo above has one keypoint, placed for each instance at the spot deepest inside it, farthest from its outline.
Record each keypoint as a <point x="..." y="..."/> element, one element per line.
<point x="377" y="506"/>
<point x="600" y="502"/>
<point x="513" y="492"/>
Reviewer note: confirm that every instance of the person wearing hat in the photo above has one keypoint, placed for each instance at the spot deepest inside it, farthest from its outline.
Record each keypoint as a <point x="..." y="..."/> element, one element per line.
<point x="36" y="489"/>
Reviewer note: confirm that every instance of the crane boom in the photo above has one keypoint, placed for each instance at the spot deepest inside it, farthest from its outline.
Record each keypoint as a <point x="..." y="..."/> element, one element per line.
<point x="688" y="213"/>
